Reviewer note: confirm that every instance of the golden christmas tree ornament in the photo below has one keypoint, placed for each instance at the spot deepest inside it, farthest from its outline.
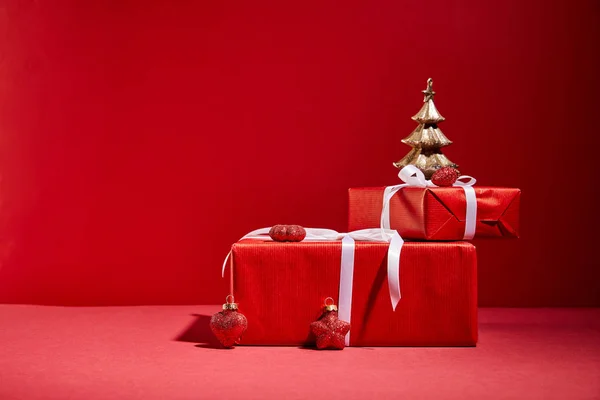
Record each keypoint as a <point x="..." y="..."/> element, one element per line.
<point x="427" y="139"/>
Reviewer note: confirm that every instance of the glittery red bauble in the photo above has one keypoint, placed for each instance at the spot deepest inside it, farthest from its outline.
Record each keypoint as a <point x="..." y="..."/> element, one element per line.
<point x="330" y="331"/>
<point x="445" y="176"/>
<point x="287" y="233"/>
<point x="228" y="326"/>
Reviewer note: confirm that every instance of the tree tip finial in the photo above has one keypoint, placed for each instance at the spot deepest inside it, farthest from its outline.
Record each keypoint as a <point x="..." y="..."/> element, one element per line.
<point x="429" y="93"/>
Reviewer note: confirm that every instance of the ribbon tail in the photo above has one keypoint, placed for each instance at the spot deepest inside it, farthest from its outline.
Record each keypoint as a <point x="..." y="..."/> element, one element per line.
<point x="393" y="268"/>
<point x="471" y="215"/>
<point x="225" y="264"/>
<point x="385" y="210"/>
<point x="388" y="193"/>
<point x="346" y="279"/>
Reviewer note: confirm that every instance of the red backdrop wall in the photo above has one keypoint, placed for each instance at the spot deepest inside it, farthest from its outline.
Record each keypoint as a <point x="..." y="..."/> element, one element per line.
<point x="139" y="139"/>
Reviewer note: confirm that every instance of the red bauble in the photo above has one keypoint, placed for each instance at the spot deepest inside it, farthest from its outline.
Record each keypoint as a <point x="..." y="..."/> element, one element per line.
<point x="287" y="233"/>
<point x="445" y="176"/>
<point x="330" y="331"/>
<point x="228" y="326"/>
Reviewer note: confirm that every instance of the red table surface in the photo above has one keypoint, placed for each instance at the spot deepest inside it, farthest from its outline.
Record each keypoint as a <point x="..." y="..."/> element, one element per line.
<point x="169" y="352"/>
<point x="280" y="287"/>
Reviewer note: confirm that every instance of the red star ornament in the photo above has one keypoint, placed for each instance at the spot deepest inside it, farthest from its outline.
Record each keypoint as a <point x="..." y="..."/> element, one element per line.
<point x="330" y="331"/>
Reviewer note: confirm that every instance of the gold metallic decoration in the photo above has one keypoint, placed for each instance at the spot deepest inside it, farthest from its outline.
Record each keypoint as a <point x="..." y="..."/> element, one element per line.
<point x="331" y="306"/>
<point x="429" y="93"/>
<point x="229" y="304"/>
<point x="427" y="139"/>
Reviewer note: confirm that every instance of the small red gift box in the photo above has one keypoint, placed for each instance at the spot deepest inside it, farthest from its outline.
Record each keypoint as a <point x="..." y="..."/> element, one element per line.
<point x="437" y="213"/>
<point x="280" y="288"/>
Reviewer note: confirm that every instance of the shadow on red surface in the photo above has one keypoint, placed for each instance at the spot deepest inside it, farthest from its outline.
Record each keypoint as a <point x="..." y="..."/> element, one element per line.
<point x="199" y="332"/>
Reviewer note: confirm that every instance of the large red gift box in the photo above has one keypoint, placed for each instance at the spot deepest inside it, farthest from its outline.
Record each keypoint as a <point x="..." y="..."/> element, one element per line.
<point x="281" y="287"/>
<point x="437" y="213"/>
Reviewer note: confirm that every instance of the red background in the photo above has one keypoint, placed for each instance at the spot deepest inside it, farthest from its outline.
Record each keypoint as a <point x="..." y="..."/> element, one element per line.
<point x="138" y="140"/>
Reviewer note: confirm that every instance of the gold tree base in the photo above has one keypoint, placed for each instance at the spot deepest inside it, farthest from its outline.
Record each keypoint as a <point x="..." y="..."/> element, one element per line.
<point x="426" y="161"/>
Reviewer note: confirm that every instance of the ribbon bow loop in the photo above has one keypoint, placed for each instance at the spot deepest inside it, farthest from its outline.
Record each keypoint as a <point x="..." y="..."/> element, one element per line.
<point x="470" y="181"/>
<point x="413" y="176"/>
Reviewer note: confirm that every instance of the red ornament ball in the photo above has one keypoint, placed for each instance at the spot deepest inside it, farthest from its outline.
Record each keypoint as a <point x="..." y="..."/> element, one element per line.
<point x="330" y="331"/>
<point x="287" y="233"/>
<point x="228" y="326"/>
<point x="445" y="176"/>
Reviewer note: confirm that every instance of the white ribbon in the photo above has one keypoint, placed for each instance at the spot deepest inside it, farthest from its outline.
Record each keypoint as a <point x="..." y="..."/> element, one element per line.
<point x="347" y="261"/>
<point x="471" y="214"/>
<point x="414" y="177"/>
<point x="346" y="280"/>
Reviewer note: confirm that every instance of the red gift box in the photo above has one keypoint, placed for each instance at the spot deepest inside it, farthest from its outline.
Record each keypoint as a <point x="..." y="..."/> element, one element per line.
<point x="437" y="213"/>
<point x="280" y="287"/>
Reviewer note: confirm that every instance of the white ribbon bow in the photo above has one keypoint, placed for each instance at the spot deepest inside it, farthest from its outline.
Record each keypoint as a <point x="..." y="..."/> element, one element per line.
<point x="414" y="177"/>
<point x="347" y="261"/>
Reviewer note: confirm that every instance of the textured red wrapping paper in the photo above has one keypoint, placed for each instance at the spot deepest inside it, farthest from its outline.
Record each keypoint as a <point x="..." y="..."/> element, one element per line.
<point x="280" y="287"/>
<point x="437" y="213"/>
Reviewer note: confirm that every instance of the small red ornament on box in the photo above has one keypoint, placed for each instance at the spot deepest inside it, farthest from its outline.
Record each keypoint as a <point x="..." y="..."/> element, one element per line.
<point x="329" y="329"/>
<point x="287" y="233"/>
<point x="445" y="176"/>
<point x="229" y="325"/>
